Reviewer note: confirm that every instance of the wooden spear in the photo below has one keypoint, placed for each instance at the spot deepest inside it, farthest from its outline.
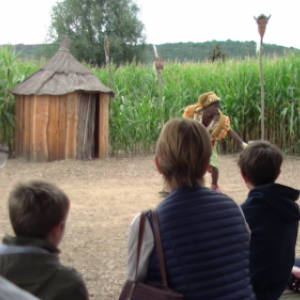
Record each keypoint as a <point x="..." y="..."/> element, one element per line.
<point x="262" y="21"/>
<point x="106" y="50"/>
<point x="159" y="67"/>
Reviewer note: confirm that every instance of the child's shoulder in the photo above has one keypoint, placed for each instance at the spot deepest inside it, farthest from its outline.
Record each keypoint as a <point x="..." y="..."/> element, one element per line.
<point x="68" y="273"/>
<point x="70" y="278"/>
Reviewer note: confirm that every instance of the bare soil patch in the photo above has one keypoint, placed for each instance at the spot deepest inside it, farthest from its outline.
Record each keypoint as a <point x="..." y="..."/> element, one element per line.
<point x="105" y="196"/>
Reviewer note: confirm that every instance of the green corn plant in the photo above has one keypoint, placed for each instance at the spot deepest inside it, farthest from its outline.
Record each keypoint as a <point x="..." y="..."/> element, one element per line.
<point x="9" y="77"/>
<point x="135" y="112"/>
<point x="12" y="71"/>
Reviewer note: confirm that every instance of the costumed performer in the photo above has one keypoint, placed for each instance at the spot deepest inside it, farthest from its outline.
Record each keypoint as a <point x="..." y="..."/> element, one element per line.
<point x="207" y="112"/>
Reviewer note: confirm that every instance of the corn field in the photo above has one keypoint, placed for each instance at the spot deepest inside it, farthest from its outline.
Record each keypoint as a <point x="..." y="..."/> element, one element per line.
<point x="139" y="109"/>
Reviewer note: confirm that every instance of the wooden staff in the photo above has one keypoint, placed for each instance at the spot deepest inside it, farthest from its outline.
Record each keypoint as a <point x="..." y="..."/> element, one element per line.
<point x="159" y="67"/>
<point x="262" y="21"/>
<point x="106" y="50"/>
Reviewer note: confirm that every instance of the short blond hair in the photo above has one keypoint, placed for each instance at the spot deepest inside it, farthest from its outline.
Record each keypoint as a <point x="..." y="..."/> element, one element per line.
<point x="35" y="207"/>
<point x="183" y="151"/>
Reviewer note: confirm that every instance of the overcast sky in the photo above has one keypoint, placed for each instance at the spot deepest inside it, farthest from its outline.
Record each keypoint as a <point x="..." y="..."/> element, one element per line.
<point x="170" y="21"/>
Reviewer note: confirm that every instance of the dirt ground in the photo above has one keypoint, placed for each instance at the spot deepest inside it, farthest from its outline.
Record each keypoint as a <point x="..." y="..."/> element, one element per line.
<point x="105" y="196"/>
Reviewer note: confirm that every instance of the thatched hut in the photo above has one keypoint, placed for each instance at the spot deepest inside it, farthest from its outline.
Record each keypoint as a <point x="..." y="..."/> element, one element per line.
<point x="61" y="111"/>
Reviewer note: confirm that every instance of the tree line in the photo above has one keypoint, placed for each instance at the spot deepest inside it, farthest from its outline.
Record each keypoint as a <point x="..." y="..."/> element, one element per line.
<point x="180" y="52"/>
<point x="88" y="22"/>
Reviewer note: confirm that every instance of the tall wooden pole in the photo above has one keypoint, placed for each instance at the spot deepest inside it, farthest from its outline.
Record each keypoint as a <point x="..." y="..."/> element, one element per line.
<point x="262" y="89"/>
<point x="159" y="67"/>
<point x="262" y="21"/>
<point x="106" y="50"/>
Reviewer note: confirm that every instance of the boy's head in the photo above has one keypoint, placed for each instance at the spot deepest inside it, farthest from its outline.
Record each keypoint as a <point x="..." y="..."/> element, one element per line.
<point x="182" y="153"/>
<point x="38" y="209"/>
<point x="260" y="163"/>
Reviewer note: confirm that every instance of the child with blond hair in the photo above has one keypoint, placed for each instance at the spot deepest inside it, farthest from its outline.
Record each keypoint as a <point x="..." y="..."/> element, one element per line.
<point x="203" y="233"/>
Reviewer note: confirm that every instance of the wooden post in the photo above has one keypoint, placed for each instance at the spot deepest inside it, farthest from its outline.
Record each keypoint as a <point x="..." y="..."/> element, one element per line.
<point x="26" y="128"/>
<point x="106" y="50"/>
<point x="159" y="67"/>
<point x="72" y="119"/>
<point x="52" y="130"/>
<point x="262" y="21"/>
<point x="103" y="125"/>
<point x="20" y="136"/>
<point x="43" y="103"/>
<point x="62" y="127"/>
<point x="18" y="113"/>
<point x="262" y="92"/>
<point x="33" y="148"/>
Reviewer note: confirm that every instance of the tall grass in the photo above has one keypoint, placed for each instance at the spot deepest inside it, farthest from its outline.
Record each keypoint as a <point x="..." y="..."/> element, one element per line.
<point x="138" y="111"/>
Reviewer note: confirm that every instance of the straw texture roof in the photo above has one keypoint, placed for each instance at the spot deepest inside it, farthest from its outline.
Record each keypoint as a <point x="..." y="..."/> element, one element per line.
<point x="61" y="75"/>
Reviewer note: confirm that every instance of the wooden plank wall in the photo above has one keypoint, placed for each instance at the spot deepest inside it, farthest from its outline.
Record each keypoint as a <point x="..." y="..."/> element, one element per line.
<point x="52" y="128"/>
<point x="103" y="128"/>
<point x="72" y="119"/>
<point x="92" y="125"/>
<point x="41" y="152"/>
<point x="46" y="127"/>
<point x="18" y="124"/>
<point x="83" y="107"/>
<point x="62" y="127"/>
<point x="26" y="127"/>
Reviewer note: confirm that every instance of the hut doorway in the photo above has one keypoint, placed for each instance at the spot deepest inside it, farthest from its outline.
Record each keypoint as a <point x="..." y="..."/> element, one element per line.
<point x="87" y="126"/>
<point x="92" y="126"/>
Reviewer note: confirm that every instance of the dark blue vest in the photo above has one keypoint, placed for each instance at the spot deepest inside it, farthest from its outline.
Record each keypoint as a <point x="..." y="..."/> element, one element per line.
<point x="206" y="246"/>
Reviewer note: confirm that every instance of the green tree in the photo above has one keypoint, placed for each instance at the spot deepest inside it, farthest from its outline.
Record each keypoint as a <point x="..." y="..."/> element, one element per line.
<point x="216" y="54"/>
<point x="86" y="22"/>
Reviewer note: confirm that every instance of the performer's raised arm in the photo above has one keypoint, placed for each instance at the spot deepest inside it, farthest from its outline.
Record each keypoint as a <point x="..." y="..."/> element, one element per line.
<point x="237" y="138"/>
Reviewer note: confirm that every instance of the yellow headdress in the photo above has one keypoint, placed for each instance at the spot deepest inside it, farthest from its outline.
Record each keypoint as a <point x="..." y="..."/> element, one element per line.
<point x="207" y="99"/>
<point x="204" y="101"/>
<point x="221" y="126"/>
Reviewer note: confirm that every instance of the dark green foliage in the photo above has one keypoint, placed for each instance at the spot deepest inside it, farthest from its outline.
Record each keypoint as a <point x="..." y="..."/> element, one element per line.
<point x="37" y="52"/>
<point x="216" y="54"/>
<point x="86" y="22"/>
<point x="181" y="52"/>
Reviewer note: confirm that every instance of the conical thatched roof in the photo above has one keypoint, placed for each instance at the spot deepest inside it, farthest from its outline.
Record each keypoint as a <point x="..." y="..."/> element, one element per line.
<point x="61" y="75"/>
